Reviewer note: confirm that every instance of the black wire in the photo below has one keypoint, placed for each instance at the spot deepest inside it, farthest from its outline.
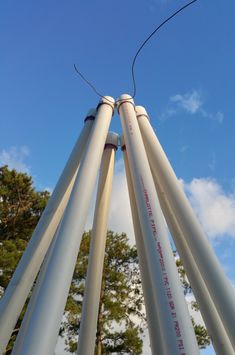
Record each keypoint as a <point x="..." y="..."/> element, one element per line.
<point x="88" y="82"/>
<point x="148" y="38"/>
<point x="136" y="55"/>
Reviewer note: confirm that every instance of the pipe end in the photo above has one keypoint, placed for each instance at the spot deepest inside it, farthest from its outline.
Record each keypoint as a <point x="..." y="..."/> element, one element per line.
<point x="124" y="98"/>
<point x="112" y="139"/>
<point x="140" y="111"/>
<point x="108" y="100"/>
<point x="90" y="114"/>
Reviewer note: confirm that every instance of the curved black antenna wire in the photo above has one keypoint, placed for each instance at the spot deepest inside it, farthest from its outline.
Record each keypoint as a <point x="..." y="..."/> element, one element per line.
<point x="136" y="55"/>
<point x="148" y="38"/>
<point x="88" y="82"/>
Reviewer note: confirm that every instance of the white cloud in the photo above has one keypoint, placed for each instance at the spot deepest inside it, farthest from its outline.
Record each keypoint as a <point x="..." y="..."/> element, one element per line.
<point x="218" y="116"/>
<point x="214" y="207"/>
<point x="192" y="103"/>
<point x="14" y="157"/>
<point x="120" y="219"/>
<point x="49" y="189"/>
<point x="195" y="314"/>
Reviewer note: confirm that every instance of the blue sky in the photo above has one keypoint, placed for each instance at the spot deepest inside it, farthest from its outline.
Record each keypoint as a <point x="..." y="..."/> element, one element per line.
<point x="185" y="79"/>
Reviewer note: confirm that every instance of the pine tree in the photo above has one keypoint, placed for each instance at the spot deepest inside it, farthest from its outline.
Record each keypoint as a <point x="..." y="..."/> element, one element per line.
<point x="20" y="209"/>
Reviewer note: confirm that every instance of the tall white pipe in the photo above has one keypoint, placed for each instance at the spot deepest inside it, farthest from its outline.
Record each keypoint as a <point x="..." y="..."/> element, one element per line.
<point x="215" y="328"/>
<point x="43" y="328"/>
<point x="154" y="326"/>
<point x="19" y="287"/>
<point x="176" y="325"/>
<point x="218" y="285"/>
<point x="90" y="306"/>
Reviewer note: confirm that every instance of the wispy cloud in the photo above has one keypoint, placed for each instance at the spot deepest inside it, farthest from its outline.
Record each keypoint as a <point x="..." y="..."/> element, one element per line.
<point x="218" y="116"/>
<point x="15" y="157"/>
<point x="184" y="148"/>
<point x="212" y="164"/>
<point x="192" y="103"/>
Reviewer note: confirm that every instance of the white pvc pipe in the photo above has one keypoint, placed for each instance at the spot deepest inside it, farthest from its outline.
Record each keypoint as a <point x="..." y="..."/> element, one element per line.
<point x="176" y="325"/>
<point x="33" y="300"/>
<point x="153" y="321"/>
<point x="19" y="287"/>
<point x="215" y="328"/>
<point x="90" y="305"/>
<point x="43" y="328"/>
<point x="219" y="287"/>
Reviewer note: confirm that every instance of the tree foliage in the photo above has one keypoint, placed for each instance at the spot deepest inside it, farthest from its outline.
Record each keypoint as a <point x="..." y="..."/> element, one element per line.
<point x="20" y="209"/>
<point x="121" y="318"/>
